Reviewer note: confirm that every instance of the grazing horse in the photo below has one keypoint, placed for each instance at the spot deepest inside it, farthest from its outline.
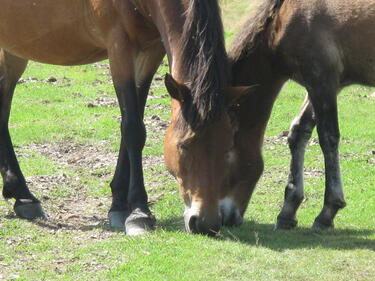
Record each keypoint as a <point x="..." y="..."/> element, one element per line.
<point x="134" y="35"/>
<point x="324" y="45"/>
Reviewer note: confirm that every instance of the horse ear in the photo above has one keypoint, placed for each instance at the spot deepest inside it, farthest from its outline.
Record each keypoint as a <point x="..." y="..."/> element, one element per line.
<point x="237" y="95"/>
<point x="176" y="90"/>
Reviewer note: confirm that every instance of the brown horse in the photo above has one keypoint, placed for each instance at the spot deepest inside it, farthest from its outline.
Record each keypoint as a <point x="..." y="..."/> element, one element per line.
<point x="134" y="35"/>
<point x="324" y="45"/>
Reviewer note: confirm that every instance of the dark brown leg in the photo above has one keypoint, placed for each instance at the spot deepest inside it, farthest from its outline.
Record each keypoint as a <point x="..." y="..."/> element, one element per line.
<point x="132" y="83"/>
<point x="325" y="107"/>
<point x="26" y="205"/>
<point x="299" y="135"/>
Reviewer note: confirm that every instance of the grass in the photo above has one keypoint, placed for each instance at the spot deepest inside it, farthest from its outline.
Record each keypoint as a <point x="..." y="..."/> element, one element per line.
<point x="50" y="118"/>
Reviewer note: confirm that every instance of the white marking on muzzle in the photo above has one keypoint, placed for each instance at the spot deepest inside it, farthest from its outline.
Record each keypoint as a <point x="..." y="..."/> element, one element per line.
<point x="229" y="210"/>
<point x="193" y="209"/>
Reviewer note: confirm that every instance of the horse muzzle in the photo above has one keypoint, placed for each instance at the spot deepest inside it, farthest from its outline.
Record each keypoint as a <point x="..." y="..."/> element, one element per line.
<point x="201" y="223"/>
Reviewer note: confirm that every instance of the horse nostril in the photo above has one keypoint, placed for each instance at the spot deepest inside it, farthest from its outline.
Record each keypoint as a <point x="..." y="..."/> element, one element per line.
<point x="192" y="224"/>
<point x="196" y="225"/>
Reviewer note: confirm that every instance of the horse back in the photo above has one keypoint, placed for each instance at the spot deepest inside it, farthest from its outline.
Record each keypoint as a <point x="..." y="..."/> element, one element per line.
<point x="335" y="35"/>
<point x="70" y="32"/>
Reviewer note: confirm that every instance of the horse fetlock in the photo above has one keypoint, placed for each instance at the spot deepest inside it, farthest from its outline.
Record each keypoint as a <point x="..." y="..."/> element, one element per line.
<point x="17" y="191"/>
<point x="335" y="204"/>
<point x="325" y="219"/>
<point x="292" y="194"/>
<point x="117" y="219"/>
<point x="339" y="204"/>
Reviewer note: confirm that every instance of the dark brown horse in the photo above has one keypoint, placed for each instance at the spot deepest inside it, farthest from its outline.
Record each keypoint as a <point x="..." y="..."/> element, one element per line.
<point x="324" y="45"/>
<point x="134" y="35"/>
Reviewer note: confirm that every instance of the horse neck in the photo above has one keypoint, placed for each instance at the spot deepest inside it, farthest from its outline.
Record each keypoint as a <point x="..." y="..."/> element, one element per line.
<point x="259" y="68"/>
<point x="168" y="16"/>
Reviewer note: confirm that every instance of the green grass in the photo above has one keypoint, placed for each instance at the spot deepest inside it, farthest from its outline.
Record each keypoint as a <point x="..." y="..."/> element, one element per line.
<point x="77" y="245"/>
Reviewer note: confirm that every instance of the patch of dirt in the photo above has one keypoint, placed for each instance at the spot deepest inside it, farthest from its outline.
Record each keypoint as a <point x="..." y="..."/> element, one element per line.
<point x="28" y="80"/>
<point x="92" y="156"/>
<point x="62" y="83"/>
<point x="280" y="139"/>
<point x="79" y="214"/>
<point x="50" y="182"/>
<point x="156" y="125"/>
<point x="271" y="142"/>
<point x="313" y="173"/>
<point x="101" y="65"/>
<point x="103" y="102"/>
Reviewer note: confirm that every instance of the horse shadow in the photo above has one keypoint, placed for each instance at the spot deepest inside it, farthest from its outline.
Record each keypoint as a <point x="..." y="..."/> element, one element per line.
<point x="263" y="235"/>
<point x="84" y="224"/>
<point x="249" y="233"/>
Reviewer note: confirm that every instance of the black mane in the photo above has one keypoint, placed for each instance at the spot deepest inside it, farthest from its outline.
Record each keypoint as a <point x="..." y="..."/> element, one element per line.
<point x="253" y="31"/>
<point x="204" y="62"/>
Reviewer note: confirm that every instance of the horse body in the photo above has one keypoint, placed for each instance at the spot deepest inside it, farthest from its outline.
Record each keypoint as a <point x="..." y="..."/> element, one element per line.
<point x="324" y="46"/>
<point x="339" y="31"/>
<point x="134" y="35"/>
<point x="62" y="34"/>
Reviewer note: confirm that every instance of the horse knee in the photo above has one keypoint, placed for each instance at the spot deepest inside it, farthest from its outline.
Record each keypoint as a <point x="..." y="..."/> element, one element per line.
<point x="297" y="136"/>
<point x="134" y="133"/>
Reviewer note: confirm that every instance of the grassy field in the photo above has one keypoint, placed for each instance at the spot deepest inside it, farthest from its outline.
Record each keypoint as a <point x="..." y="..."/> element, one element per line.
<point x="66" y="135"/>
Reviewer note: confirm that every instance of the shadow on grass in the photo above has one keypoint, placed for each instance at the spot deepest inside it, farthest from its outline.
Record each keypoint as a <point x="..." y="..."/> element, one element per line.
<point x="263" y="235"/>
<point x="250" y="233"/>
<point x="80" y="223"/>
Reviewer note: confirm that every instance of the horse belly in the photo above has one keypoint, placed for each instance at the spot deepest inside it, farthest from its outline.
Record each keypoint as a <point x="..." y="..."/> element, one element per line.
<point x="55" y="32"/>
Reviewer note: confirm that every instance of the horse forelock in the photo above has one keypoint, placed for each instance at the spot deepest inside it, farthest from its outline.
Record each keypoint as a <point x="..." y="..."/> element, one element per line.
<point x="204" y="62"/>
<point x="252" y="35"/>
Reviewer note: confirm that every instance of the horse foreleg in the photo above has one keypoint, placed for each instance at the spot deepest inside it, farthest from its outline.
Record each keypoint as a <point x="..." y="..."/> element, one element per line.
<point x="27" y="205"/>
<point x="128" y="185"/>
<point x="120" y="208"/>
<point x="299" y="134"/>
<point x="325" y="107"/>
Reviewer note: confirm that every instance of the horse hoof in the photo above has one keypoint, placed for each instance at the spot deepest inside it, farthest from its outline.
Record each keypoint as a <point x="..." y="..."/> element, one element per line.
<point x="29" y="209"/>
<point x="117" y="219"/>
<point x="317" y="225"/>
<point x="139" y="223"/>
<point x="285" y="224"/>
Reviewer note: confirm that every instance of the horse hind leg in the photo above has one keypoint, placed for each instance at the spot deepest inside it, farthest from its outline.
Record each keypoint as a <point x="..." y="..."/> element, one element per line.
<point x="299" y="135"/>
<point x="325" y="107"/>
<point x="14" y="184"/>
